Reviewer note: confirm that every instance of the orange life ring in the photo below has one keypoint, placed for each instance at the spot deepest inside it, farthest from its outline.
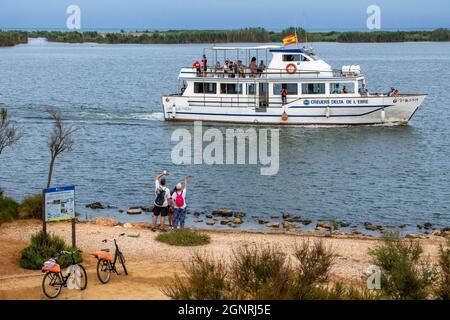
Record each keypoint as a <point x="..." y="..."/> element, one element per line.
<point x="284" y="116"/>
<point x="291" y="68"/>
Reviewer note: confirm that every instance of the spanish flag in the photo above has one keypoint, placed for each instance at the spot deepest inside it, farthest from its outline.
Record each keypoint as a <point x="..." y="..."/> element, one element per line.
<point x="288" y="40"/>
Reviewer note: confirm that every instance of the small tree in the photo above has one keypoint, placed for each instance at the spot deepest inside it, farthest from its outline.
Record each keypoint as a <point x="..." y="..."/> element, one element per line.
<point x="9" y="133"/>
<point x="405" y="273"/>
<point x="60" y="140"/>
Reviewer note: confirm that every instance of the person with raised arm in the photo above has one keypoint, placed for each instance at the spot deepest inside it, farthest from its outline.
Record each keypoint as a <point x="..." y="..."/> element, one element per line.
<point x="162" y="194"/>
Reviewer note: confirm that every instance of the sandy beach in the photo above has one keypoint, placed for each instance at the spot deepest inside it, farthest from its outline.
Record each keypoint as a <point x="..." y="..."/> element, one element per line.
<point x="150" y="262"/>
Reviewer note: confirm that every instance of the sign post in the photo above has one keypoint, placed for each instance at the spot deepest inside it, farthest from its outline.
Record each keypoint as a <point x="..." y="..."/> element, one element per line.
<point x="59" y="205"/>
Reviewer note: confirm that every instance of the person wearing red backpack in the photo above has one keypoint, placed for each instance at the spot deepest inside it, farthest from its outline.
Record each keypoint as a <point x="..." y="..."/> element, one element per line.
<point x="179" y="199"/>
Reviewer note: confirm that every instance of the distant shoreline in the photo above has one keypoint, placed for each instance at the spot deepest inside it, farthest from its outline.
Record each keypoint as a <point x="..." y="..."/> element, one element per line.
<point x="250" y="35"/>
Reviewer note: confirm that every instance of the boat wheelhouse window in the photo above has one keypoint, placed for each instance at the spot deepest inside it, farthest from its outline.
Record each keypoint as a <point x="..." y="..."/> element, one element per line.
<point x="292" y="88"/>
<point x="231" y="88"/>
<point x="342" y="87"/>
<point x="313" y="88"/>
<point x="294" y="58"/>
<point x="251" y="89"/>
<point x="205" y="87"/>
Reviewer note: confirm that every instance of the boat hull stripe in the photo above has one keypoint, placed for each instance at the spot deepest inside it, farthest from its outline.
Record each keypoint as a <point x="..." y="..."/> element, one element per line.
<point x="378" y="108"/>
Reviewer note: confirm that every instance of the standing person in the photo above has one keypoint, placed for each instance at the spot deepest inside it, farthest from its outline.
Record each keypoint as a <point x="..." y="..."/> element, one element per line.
<point x="162" y="194"/>
<point x="205" y="64"/>
<point x="179" y="198"/>
<point x="262" y="66"/>
<point x="170" y="211"/>
<point x="253" y="67"/>
<point x="284" y="95"/>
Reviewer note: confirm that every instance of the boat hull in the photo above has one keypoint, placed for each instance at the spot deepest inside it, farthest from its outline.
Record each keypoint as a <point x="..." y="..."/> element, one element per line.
<point x="312" y="111"/>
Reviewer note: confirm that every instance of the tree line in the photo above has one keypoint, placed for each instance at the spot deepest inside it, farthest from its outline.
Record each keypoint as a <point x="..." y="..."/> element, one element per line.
<point x="9" y="38"/>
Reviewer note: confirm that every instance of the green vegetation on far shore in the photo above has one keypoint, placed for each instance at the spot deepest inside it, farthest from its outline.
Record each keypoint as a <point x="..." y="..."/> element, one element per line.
<point x="257" y="35"/>
<point x="11" y="38"/>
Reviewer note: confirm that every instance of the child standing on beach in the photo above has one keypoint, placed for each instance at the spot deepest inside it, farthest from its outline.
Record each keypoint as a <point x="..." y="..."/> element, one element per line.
<point x="162" y="194"/>
<point x="179" y="199"/>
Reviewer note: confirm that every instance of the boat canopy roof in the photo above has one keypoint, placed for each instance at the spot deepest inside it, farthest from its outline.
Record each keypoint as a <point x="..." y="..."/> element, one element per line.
<point x="248" y="48"/>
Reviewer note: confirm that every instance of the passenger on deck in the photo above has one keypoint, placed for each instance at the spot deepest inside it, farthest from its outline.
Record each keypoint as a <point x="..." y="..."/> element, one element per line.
<point x="217" y="67"/>
<point x="345" y="90"/>
<point x="253" y="67"/>
<point x="337" y="90"/>
<point x="226" y="67"/>
<point x="205" y="64"/>
<point x="363" y="90"/>
<point x="262" y="66"/>
<point x="391" y="93"/>
<point x="197" y="67"/>
<point x="241" y="69"/>
<point x="283" y="96"/>
<point x="236" y="68"/>
<point x="231" y="68"/>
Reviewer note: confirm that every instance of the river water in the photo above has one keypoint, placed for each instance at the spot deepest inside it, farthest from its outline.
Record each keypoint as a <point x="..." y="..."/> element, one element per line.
<point x="382" y="174"/>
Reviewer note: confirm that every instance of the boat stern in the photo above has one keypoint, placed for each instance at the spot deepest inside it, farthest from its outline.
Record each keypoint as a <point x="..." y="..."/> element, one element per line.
<point x="172" y="104"/>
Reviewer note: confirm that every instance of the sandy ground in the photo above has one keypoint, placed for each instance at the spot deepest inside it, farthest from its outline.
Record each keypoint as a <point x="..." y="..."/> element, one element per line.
<point x="151" y="263"/>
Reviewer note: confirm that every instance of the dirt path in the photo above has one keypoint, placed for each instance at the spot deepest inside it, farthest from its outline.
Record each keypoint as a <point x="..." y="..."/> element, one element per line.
<point x="151" y="263"/>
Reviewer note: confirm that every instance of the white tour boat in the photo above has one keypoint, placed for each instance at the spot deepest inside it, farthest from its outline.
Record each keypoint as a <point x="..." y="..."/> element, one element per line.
<point x="296" y="88"/>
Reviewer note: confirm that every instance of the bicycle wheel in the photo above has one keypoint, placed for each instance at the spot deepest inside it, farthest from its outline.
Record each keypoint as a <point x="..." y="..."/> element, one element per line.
<point x="83" y="277"/>
<point x="122" y="261"/>
<point x="52" y="284"/>
<point x="103" y="271"/>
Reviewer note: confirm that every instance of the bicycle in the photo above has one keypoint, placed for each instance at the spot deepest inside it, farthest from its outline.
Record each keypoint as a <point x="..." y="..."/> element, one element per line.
<point x="54" y="280"/>
<point x="106" y="264"/>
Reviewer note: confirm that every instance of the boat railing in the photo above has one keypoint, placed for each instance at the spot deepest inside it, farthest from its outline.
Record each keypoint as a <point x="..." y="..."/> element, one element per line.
<point x="246" y="73"/>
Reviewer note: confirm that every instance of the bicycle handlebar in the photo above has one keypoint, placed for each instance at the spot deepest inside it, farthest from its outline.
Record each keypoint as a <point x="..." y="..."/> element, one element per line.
<point x="120" y="235"/>
<point x="64" y="253"/>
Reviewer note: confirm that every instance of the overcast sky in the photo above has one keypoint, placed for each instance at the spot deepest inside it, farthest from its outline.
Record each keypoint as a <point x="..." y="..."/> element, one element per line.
<point x="224" y="14"/>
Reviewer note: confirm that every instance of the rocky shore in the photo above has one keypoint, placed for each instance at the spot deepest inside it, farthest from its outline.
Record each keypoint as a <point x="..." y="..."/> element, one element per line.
<point x="221" y="219"/>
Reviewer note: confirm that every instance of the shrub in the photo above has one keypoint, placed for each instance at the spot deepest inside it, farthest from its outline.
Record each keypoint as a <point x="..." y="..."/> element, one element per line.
<point x="43" y="248"/>
<point x="31" y="207"/>
<point x="206" y="279"/>
<point x="443" y="288"/>
<point x="314" y="262"/>
<point x="311" y="271"/>
<point x="184" y="237"/>
<point x="260" y="273"/>
<point x="404" y="274"/>
<point x="8" y="209"/>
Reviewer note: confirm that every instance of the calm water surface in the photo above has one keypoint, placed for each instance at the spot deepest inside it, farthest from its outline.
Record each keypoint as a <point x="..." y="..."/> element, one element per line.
<point x="386" y="175"/>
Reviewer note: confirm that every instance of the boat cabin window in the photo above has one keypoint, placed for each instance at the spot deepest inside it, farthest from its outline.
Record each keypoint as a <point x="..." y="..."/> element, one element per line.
<point x="294" y="58"/>
<point x="251" y="89"/>
<point x="231" y="88"/>
<point x="342" y="88"/>
<point x="313" y="88"/>
<point x="205" y="87"/>
<point x="292" y="88"/>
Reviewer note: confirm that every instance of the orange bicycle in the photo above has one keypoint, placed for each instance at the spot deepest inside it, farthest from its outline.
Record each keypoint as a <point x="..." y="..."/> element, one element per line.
<point x="106" y="264"/>
<point x="54" y="280"/>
